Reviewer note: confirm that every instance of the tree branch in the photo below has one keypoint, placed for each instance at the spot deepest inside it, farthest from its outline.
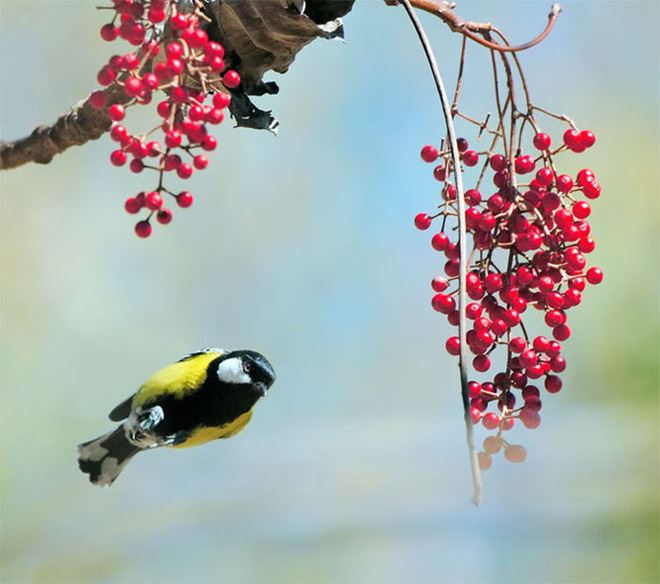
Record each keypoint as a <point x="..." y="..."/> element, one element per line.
<point x="462" y="246"/>
<point x="258" y="36"/>
<point x="80" y="125"/>
<point x="472" y="30"/>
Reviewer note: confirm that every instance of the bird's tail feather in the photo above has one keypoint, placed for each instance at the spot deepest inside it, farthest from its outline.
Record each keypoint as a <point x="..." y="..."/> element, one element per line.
<point x="106" y="456"/>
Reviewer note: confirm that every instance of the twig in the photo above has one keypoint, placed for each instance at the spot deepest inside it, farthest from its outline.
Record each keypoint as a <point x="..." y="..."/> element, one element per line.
<point x="78" y="126"/>
<point x="472" y="30"/>
<point x="462" y="295"/>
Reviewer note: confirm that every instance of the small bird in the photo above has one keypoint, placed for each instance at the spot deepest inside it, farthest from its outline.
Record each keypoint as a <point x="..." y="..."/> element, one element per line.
<point x="204" y="396"/>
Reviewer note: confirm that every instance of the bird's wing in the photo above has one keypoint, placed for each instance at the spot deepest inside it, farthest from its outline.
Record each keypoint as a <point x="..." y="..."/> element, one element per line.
<point x="201" y="352"/>
<point x="122" y="411"/>
<point x="178" y="379"/>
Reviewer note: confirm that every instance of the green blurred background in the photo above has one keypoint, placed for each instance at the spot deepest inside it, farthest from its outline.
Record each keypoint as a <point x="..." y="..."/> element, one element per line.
<point x="301" y="246"/>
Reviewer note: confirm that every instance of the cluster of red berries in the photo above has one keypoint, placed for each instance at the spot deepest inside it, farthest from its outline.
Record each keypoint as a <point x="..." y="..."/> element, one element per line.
<point x="176" y="58"/>
<point x="530" y="238"/>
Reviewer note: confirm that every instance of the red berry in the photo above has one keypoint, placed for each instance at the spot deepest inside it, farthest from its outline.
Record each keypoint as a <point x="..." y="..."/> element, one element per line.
<point x="150" y="81"/>
<point x="515" y="453"/>
<point x="174" y="50"/>
<point x="439" y="284"/>
<point x="184" y="170"/>
<point x="473" y="310"/>
<point x="429" y="153"/>
<point x="470" y="158"/>
<point x="184" y="199"/>
<point x="198" y="38"/>
<point x="213" y="48"/>
<point x="561" y="332"/>
<point x="217" y="64"/>
<point x="594" y="275"/>
<point x="497" y="162"/>
<point x="118" y="157"/>
<point x="132" y="205"/>
<point x="179" y="21"/>
<point x="109" y="32"/>
<point x="453" y="345"/>
<point x="153" y="148"/>
<point x="591" y="190"/>
<point x="581" y="209"/>
<point x="98" y="99"/>
<point x="491" y="421"/>
<point x="462" y="144"/>
<point x="439" y="241"/>
<point x="156" y="16"/>
<point x="524" y="164"/>
<point x="131" y="61"/>
<point x="173" y="139"/>
<point x="553" y="383"/>
<point x="545" y="176"/>
<point x="485" y="460"/>
<point x="136" y="165"/>
<point x="116" y="112"/>
<point x="143" y="229"/>
<point x="542" y="141"/>
<point x="164" y="216"/>
<point x="209" y="143"/>
<point x="422" y="221"/>
<point x="493" y="282"/>
<point x="587" y="138"/>
<point x="133" y="86"/>
<point x="231" y="79"/>
<point x="584" y="176"/>
<point x="517" y="344"/>
<point x="530" y="419"/>
<point x="176" y="66"/>
<point x="481" y="363"/>
<point x="474" y="389"/>
<point x="558" y="364"/>
<point x="572" y="139"/>
<point x="215" y="116"/>
<point x="440" y="173"/>
<point x="106" y="76"/>
<point x="163" y="109"/>
<point x="201" y="162"/>
<point x="443" y="303"/>
<point x="472" y="197"/>
<point x="153" y="201"/>
<point x="564" y="183"/>
<point x="492" y="444"/>
<point x="118" y="133"/>
<point x="221" y="100"/>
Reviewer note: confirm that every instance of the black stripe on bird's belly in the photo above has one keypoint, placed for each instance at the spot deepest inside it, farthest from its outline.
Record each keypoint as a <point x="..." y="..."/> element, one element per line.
<point x="214" y="404"/>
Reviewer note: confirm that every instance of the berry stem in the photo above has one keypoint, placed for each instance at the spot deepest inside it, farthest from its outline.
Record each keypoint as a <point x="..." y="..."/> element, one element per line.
<point x="462" y="296"/>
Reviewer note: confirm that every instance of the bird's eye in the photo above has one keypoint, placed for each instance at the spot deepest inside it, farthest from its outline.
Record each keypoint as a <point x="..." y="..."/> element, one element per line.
<point x="247" y="367"/>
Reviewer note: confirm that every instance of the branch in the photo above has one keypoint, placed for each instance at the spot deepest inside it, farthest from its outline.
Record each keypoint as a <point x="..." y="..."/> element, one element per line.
<point x="462" y="294"/>
<point x="258" y="35"/>
<point x="82" y="124"/>
<point x="472" y="30"/>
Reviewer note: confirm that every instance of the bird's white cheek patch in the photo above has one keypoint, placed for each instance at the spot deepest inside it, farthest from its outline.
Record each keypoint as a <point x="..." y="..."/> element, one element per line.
<point x="231" y="371"/>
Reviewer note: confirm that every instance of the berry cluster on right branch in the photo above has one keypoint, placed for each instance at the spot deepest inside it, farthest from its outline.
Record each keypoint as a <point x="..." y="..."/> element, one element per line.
<point x="528" y="242"/>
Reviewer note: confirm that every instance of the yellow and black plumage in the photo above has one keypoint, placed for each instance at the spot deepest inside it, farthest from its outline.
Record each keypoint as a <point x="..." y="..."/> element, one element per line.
<point x="205" y="396"/>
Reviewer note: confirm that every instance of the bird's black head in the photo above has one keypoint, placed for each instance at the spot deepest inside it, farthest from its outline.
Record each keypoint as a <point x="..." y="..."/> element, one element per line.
<point x="248" y="368"/>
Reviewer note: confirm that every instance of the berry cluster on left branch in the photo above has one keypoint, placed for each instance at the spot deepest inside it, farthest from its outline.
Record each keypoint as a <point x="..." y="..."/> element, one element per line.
<point x="176" y="66"/>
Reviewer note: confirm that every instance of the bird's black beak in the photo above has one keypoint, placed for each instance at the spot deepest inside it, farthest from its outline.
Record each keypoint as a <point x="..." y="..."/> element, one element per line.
<point x="261" y="388"/>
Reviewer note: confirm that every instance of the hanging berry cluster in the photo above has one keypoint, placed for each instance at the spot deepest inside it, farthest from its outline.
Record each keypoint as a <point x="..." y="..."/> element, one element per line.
<point x="530" y="237"/>
<point x="177" y="66"/>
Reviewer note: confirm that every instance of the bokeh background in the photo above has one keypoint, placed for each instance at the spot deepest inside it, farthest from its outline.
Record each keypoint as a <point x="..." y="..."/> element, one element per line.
<point x="302" y="246"/>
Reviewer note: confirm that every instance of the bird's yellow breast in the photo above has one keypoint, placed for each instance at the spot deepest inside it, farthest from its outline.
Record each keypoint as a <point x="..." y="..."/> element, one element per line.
<point x="206" y="434"/>
<point x="178" y="379"/>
